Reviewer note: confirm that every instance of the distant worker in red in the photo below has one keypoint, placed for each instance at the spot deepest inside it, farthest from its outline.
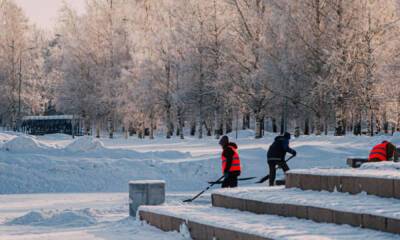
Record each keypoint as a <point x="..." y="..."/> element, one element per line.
<point x="384" y="151"/>
<point x="230" y="163"/>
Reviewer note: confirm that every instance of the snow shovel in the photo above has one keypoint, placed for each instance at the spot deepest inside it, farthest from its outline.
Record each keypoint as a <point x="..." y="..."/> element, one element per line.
<point x="239" y="179"/>
<point x="200" y="193"/>
<point x="277" y="167"/>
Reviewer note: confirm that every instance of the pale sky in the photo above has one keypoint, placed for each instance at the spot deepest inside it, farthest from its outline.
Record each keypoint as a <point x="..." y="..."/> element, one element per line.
<point x="44" y="12"/>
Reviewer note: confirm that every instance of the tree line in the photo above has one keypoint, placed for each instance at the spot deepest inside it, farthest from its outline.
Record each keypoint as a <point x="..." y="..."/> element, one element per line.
<point x="207" y="67"/>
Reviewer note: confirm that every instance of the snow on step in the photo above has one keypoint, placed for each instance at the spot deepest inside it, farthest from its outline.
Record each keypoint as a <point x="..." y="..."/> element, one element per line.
<point x="373" y="170"/>
<point x="359" y="203"/>
<point x="357" y="210"/>
<point x="383" y="182"/>
<point x="204" y="222"/>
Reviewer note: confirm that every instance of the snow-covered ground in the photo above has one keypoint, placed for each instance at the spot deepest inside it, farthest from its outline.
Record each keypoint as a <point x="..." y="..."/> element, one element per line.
<point x="56" y="163"/>
<point x="60" y="188"/>
<point x="82" y="216"/>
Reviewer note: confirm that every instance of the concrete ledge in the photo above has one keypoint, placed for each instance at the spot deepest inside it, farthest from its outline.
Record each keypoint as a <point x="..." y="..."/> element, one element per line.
<point x="382" y="187"/>
<point x="317" y="214"/>
<point x="198" y="231"/>
<point x="145" y="193"/>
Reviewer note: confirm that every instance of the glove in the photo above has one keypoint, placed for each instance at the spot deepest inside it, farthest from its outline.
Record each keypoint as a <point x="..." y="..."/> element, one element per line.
<point x="294" y="153"/>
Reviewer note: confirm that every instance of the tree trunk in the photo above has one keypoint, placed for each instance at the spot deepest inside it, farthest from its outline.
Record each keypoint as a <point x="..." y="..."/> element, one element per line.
<point x="259" y="120"/>
<point x="229" y="121"/>
<point x="307" y="126"/>
<point x="246" y="121"/>
<point x="97" y="129"/>
<point x="274" y="126"/>
<point x="193" y="128"/>
<point x="180" y="123"/>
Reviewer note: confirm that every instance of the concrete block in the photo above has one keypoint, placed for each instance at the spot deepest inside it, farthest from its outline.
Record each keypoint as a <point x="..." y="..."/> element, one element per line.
<point x="145" y="193"/>
<point x="330" y="183"/>
<point x="226" y="234"/>
<point x="310" y="182"/>
<point x="320" y="214"/>
<point x="246" y="236"/>
<point x="176" y="223"/>
<point x="275" y="209"/>
<point x="377" y="186"/>
<point x="386" y="187"/>
<point x="374" y="222"/>
<point x="393" y="225"/>
<point x="197" y="231"/>
<point x="396" y="185"/>
<point x="237" y="203"/>
<point x="349" y="185"/>
<point x="165" y="223"/>
<point x="256" y="207"/>
<point x="216" y="200"/>
<point x="152" y="219"/>
<point x="292" y="180"/>
<point x="353" y="219"/>
<point x="296" y="211"/>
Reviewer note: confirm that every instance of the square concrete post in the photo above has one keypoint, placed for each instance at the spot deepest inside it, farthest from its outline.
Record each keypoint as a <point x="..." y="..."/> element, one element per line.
<point x="146" y="192"/>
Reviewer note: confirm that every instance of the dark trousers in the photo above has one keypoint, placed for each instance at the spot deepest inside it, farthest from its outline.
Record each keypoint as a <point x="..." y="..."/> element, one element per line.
<point x="272" y="169"/>
<point x="231" y="181"/>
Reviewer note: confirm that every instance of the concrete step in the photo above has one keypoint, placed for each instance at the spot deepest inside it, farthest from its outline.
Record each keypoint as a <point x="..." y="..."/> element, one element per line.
<point x="360" y="210"/>
<point x="354" y="181"/>
<point x="206" y="223"/>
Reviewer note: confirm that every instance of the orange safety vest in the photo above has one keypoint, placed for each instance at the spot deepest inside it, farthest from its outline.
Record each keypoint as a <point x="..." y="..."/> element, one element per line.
<point x="379" y="152"/>
<point x="235" y="161"/>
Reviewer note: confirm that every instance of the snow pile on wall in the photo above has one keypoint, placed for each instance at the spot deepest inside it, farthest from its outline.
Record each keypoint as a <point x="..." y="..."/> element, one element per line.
<point x="66" y="218"/>
<point x="85" y="144"/>
<point x="24" y="144"/>
<point x="381" y="165"/>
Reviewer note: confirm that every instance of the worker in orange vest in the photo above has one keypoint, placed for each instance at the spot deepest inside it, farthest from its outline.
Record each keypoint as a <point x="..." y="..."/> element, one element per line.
<point x="384" y="151"/>
<point x="230" y="163"/>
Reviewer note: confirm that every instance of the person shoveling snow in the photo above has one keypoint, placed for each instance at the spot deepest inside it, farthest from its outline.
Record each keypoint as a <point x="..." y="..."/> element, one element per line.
<point x="230" y="163"/>
<point x="276" y="157"/>
<point x="385" y="151"/>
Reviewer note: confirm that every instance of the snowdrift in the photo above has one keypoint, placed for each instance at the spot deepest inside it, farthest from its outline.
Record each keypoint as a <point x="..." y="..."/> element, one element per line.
<point x="85" y="144"/>
<point x="381" y="166"/>
<point x="24" y="144"/>
<point x="65" y="218"/>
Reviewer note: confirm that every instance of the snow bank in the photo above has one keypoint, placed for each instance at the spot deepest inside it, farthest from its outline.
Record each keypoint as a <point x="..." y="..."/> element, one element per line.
<point x="24" y="144"/>
<point x="51" y="218"/>
<point x="4" y="137"/>
<point x="85" y="144"/>
<point x="381" y="165"/>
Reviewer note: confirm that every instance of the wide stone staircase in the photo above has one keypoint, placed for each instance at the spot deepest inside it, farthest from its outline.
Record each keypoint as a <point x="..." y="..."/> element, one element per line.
<point x="314" y="204"/>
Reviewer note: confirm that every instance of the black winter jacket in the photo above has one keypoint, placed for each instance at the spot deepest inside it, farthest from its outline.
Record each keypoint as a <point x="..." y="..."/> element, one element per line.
<point x="278" y="149"/>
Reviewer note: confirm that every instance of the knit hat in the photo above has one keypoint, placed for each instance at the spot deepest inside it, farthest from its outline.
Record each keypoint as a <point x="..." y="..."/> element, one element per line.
<point x="224" y="141"/>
